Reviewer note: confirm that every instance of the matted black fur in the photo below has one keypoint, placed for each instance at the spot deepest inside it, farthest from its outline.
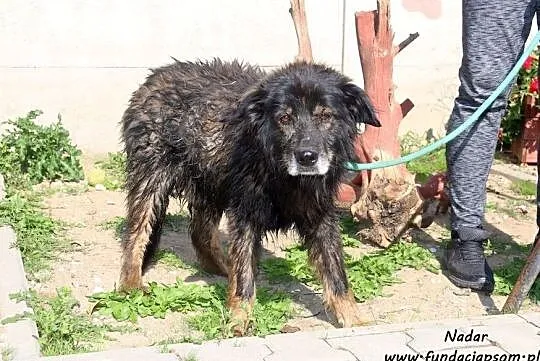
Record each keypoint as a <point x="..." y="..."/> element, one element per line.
<point x="265" y="149"/>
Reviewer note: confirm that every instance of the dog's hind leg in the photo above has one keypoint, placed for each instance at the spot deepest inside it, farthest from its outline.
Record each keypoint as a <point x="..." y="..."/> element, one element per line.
<point x="147" y="200"/>
<point x="155" y="234"/>
<point x="243" y="254"/>
<point x="205" y="238"/>
<point x="326" y="255"/>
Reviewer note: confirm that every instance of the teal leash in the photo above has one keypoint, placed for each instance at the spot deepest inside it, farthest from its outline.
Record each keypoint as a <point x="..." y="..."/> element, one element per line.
<point x="450" y="136"/>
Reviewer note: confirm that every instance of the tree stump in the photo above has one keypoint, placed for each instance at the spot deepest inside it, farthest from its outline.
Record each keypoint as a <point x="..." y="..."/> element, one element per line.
<point x="385" y="201"/>
<point x="389" y="200"/>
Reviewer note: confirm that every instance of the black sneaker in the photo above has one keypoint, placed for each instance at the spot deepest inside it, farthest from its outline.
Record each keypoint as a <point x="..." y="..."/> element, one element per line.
<point x="466" y="265"/>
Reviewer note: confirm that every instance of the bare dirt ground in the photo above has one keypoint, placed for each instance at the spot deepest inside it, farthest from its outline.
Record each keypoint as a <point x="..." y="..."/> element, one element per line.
<point x="422" y="295"/>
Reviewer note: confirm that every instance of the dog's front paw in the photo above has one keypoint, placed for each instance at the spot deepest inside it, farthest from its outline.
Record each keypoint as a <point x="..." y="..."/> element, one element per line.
<point x="240" y="318"/>
<point x="130" y="281"/>
<point x="352" y="318"/>
<point x="347" y="312"/>
<point x="129" y="288"/>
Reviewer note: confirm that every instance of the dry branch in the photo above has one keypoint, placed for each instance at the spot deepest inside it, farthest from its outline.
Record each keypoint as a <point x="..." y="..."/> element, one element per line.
<point x="298" y="14"/>
<point x="406" y="42"/>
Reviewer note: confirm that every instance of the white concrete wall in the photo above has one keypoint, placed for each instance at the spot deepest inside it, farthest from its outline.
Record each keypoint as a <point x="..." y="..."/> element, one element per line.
<point x="83" y="58"/>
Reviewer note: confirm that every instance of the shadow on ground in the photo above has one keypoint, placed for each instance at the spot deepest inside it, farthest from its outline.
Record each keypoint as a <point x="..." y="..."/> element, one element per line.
<point x="504" y="250"/>
<point x="176" y="238"/>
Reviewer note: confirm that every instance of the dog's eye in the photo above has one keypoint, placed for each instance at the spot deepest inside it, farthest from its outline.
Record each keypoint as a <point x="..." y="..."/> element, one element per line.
<point x="285" y="119"/>
<point x="326" y="116"/>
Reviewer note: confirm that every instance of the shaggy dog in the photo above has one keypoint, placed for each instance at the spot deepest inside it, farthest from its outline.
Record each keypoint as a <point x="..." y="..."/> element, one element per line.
<point x="265" y="149"/>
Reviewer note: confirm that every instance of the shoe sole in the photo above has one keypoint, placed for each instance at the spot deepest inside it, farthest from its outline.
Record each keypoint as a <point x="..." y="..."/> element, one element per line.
<point x="481" y="286"/>
<point x="477" y="286"/>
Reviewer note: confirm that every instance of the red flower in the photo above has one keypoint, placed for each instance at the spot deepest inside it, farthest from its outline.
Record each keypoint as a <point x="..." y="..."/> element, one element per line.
<point x="528" y="63"/>
<point x="533" y="87"/>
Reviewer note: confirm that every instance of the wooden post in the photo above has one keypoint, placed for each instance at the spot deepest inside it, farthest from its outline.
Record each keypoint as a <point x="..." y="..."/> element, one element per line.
<point x="389" y="200"/>
<point x="298" y="14"/>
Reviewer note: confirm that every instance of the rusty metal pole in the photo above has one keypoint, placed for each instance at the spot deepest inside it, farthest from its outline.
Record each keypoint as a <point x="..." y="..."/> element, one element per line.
<point x="530" y="271"/>
<point x="523" y="285"/>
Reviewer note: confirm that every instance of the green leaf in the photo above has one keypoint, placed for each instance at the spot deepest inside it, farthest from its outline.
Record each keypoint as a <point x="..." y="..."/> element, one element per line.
<point x="121" y="311"/>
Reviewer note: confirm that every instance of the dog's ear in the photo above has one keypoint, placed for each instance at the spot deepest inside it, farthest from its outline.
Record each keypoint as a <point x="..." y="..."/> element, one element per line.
<point x="251" y="105"/>
<point x="359" y="105"/>
<point x="251" y="111"/>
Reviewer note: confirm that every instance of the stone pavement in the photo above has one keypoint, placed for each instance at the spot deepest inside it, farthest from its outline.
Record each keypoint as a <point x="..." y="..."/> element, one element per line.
<point x="18" y="340"/>
<point x="501" y="337"/>
<point x="490" y="338"/>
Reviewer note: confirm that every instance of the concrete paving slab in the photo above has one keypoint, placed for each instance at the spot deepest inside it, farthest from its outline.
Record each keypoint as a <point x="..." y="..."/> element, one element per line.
<point x="374" y="347"/>
<point x="291" y="347"/>
<point x="463" y="352"/>
<point x="513" y="338"/>
<point x="445" y="337"/>
<point x="225" y="351"/>
<point x="127" y="354"/>
<point x="21" y="337"/>
<point x="531" y="317"/>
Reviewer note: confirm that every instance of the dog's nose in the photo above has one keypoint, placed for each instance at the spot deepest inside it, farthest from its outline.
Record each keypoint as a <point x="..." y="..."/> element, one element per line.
<point x="306" y="158"/>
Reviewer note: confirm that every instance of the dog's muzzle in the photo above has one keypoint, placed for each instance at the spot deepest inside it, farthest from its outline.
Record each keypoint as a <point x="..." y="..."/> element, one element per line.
<point x="306" y="158"/>
<point x="308" y="162"/>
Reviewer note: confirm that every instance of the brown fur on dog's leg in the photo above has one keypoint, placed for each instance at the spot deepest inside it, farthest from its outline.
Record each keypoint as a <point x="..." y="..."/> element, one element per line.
<point x="130" y="277"/>
<point x="205" y="238"/>
<point x="208" y="264"/>
<point x="243" y="254"/>
<point x="241" y="312"/>
<point x="146" y="203"/>
<point x="133" y="252"/>
<point x="326" y="255"/>
<point x="219" y="134"/>
<point x="341" y="303"/>
<point x="345" y="308"/>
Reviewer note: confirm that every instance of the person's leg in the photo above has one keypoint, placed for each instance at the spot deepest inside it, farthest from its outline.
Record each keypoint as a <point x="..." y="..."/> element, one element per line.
<point x="494" y="34"/>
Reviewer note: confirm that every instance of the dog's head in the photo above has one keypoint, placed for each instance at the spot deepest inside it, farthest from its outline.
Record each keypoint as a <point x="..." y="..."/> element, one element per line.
<point x="305" y="117"/>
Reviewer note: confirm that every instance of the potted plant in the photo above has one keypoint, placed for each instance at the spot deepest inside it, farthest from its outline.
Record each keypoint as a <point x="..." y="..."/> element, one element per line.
<point x="520" y="127"/>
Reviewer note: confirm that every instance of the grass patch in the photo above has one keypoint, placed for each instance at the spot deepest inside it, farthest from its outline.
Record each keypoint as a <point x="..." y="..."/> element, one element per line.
<point x="271" y="311"/>
<point x="175" y="340"/>
<point x="524" y="188"/>
<point x="171" y="260"/>
<point x="173" y="223"/>
<point x="498" y="245"/>
<point x="6" y="353"/>
<point x="30" y="154"/>
<point x="190" y="357"/>
<point x="294" y="267"/>
<point x="66" y="188"/>
<point x="39" y="237"/>
<point x="110" y="172"/>
<point x="425" y="166"/>
<point x="176" y="222"/>
<point x="506" y="277"/>
<point x="62" y="330"/>
<point x="205" y="306"/>
<point x="367" y="274"/>
<point x="509" y="208"/>
<point x="370" y="273"/>
<point x="348" y="229"/>
<point x="39" y="152"/>
<point x="491" y="206"/>
<point x="117" y="224"/>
